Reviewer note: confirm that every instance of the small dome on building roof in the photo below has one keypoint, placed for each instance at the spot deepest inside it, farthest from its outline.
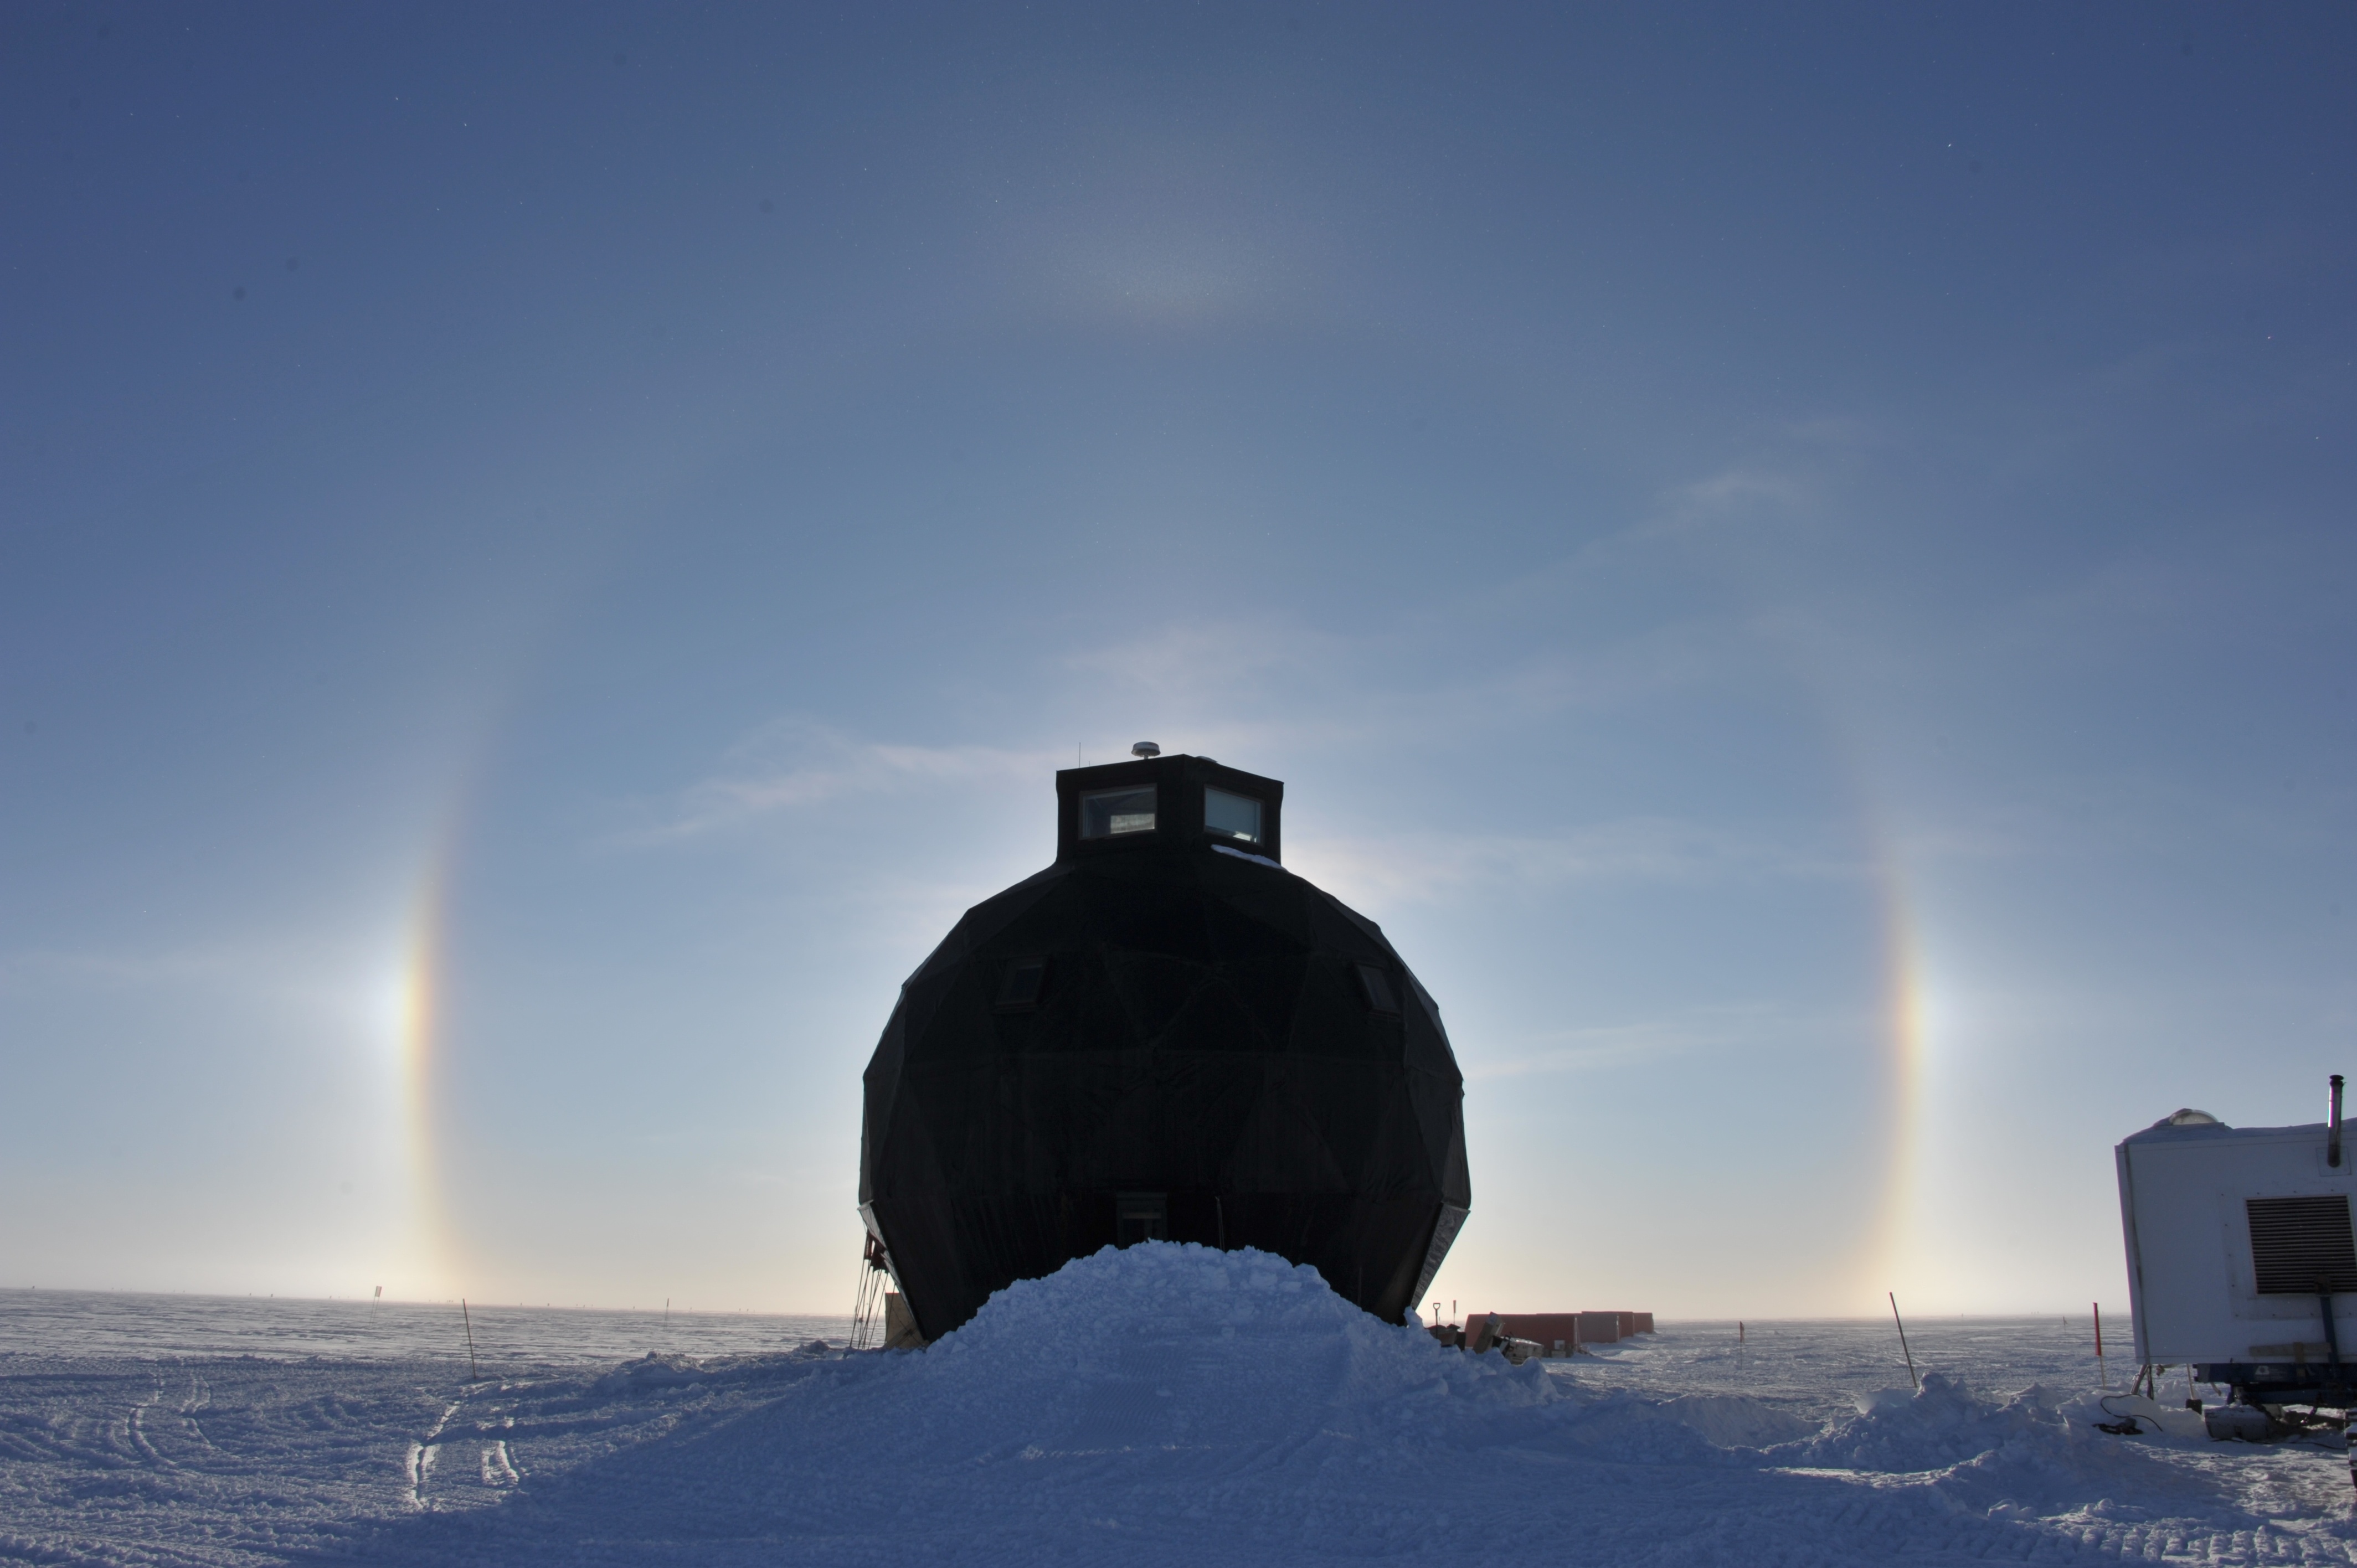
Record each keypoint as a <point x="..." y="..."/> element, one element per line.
<point x="2188" y="1117"/>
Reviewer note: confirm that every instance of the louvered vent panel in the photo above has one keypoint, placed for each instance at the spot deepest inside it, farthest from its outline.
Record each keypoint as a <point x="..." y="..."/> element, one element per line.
<point x="2302" y="1245"/>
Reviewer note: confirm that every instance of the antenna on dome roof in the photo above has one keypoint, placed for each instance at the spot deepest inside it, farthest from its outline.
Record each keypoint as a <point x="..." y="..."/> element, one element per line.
<point x="1145" y="748"/>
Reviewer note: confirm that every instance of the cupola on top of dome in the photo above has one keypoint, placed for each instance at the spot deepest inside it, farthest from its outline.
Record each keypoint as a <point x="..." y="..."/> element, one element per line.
<point x="1167" y="802"/>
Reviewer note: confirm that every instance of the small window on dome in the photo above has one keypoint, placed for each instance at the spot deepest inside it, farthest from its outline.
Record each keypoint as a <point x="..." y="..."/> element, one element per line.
<point x="1229" y="816"/>
<point x="1140" y="1217"/>
<point x="1376" y="986"/>
<point x="1109" y="814"/>
<point x="1021" y="983"/>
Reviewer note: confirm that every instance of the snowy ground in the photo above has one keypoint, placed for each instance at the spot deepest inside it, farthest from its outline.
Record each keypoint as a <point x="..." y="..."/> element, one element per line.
<point x="1162" y="1405"/>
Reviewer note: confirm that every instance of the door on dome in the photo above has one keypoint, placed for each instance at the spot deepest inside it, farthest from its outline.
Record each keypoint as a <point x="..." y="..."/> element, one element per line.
<point x="1140" y="1217"/>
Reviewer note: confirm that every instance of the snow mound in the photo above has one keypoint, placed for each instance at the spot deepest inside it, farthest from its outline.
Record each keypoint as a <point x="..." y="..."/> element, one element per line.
<point x="652" y="1371"/>
<point x="2036" y="1453"/>
<point x="1736" y="1421"/>
<point x="1699" y="1429"/>
<point x="1941" y="1425"/>
<point x="1167" y="1345"/>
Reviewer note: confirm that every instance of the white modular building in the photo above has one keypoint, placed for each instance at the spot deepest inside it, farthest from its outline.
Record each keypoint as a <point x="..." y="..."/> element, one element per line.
<point x="2240" y="1257"/>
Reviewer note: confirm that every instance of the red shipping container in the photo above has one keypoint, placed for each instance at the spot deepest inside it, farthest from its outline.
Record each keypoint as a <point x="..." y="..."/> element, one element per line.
<point x="1544" y="1328"/>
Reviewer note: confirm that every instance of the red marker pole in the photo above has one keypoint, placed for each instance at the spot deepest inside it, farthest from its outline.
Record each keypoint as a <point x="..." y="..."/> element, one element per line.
<point x="2099" y="1344"/>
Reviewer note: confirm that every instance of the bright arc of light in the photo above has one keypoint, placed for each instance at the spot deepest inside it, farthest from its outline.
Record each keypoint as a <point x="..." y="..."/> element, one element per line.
<point x="420" y="993"/>
<point x="1906" y="1028"/>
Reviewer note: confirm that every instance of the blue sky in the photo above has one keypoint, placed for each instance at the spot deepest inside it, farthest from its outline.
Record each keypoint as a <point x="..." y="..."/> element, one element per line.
<point x="1798" y="560"/>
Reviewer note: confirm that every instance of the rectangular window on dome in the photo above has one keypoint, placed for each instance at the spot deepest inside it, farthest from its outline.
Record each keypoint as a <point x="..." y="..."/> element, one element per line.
<point x="1376" y="986"/>
<point x="1229" y="816"/>
<point x="1020" y="985"/>
<point x="1109" y="814"/>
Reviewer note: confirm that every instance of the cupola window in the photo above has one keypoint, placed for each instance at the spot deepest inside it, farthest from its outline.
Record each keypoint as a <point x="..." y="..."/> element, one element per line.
<point x="1235" y="817"/>
<point x="1109" y="814"/>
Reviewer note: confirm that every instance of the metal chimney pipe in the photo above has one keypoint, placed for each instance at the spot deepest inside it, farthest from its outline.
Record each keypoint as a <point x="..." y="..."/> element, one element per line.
<point x="2332" y="1138"/>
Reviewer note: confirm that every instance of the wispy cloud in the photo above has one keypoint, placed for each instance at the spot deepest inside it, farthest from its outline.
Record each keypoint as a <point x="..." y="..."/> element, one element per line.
<point x="1437" y="867"/>
<point x="1194" y="664"/>
<point x="1277" y="687"/>
<point x="793" y="764"/>
<point x="1652" y="1041"/>
<point x="343" y="984"/>
<point x="1730" y="494"/>
<point x="256" y="964"/>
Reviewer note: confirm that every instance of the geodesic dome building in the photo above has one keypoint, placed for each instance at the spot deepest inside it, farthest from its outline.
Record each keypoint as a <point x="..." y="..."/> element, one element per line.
<point x="1165" y="1035"/>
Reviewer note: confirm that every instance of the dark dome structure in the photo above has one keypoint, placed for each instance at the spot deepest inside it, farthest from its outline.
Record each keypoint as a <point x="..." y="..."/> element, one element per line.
<point x="1163" y="1035"/>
